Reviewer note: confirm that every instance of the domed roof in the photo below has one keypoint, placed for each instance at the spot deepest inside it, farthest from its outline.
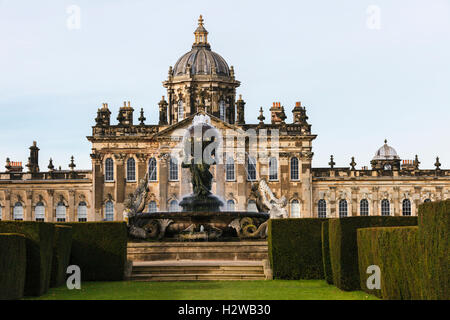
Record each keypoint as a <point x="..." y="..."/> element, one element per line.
<point x="201" y="59"/>
<point x="386" y="153"/>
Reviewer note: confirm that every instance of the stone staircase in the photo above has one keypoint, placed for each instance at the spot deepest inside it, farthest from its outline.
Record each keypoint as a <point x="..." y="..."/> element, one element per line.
<point x="197" y="270"/>
<point x="157" y="251"/>
<point x="198" y="261"/>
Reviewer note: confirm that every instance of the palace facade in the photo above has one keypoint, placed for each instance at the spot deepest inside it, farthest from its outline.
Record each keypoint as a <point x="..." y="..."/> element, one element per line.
<point x="201" y="82"/>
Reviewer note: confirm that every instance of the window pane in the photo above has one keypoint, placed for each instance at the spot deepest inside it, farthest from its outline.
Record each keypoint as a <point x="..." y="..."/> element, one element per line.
<point x="230" y="169"/>
<point x="251" y="169"/>
<point x="294" y="169"/>
<point x="109" y="211"/>
<point x="152" y="170"/>
<point x="152" y="207"/>
<point x="364" y="207"/>
<point x="131" y="169"/>
<point x="61" y="212"/>
<point x="295" y="209"/>
<point x="230" y="205"/>
<point x="322" y="208"/>
<point x="39" y="212"/>
<point x="342" y="208"/>
<point x="82" y="212"/>
<point x="222" y="110"/>
<point x="180" y="110"/>
<point x="273" y="169"/>
<point x="385" y="207"/>
<point x="173" y="169"/>
<point x="406" y="207"/>
<point x="173" y="206"/>
<point x="109" y="169"/>
<point x="18" y="211"/>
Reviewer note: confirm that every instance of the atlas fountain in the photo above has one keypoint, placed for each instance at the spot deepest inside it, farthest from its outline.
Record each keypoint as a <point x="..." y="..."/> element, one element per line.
<point x="201" y="218"/>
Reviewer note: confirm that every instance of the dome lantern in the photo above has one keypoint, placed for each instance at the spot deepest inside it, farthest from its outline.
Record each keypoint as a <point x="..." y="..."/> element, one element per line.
<point x="201" y="34"/>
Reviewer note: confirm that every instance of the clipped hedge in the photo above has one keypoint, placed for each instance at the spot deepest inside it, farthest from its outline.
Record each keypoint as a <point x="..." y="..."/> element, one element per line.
<point x="395" y="251"/>
<point x="434" y="229"/>
<point x="295" y="248"/>
<point x="12" y="266"/>
<point x="344" y="249"/>
<point x="39" y="248"/>
<point x="62" y="244"/>
<point x="99" y="249"/>
<point x="327" y="272"/>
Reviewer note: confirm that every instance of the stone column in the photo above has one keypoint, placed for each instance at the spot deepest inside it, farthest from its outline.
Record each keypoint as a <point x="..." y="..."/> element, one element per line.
<point x="50" y="211"/>
<point x="7" y="215"/>
<point x="220" y="180"/>
<point x="374" y="211"/>
<point x="28" y="214"/>
<point x="241" y="195"/>
<point x="333" y="213"/>
<point x="72" y="206"/>
<point x="120" y="180"/>
<point x="163" y="181"/>
<point x="396" y="199"/>
<point x="142" y="166"/>
<point x="185" y="182"/>
<point x="306" y="187"/>
<point x="95" y="213"/>
<point x="355" y="191"/>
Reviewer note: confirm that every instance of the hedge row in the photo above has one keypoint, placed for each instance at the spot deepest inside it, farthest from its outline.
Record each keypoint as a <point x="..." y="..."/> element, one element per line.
<point x="344" y="249"/>
<point x="327" y="272"/>
<point x="395" y="251"/>
<point x="12" y="265"/>
<point x="62" y="244"/>
<point x="434" y="240"/>
<point x="99" y="249"/>
<point x="39" y="250"/>
<point x="295" y="248"/>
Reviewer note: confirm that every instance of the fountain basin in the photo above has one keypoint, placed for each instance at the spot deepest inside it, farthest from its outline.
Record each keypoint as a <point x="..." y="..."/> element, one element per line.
<point x="202" y="225"/>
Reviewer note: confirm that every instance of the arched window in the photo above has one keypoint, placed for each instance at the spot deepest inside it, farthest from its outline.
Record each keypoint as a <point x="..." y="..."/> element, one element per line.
<point x="173" y="169"/>
<point x="251" y="169"/>
<point x="273" y="169"/>
<point x="294" y="168"/>
<point x="173" y="206"/>
<point x="364" y="207"/>
<point x="427" y="200"/>
<point x="152" y="170"/>
<point x="322" y="208"/>
<point x="131" y="170"/>
<point x="342" y="208"/>
<point x="180" y="110"/>
<point x="251" y="206"/>
<point x="152" y="207"/>
<point x="406" y="207"/>
<point x="295" y="209"/>
<point x="109" y="211"/>
<point x="385" y="207"/>
<point x="82" y="212"/>
<point x="61" y="212"/>
<point x="222" y="110"/>
<point x="230" y="205"/>
<point x="229" y="169"/>
<point x="18" y="211"/>
<point x="109" y="170"/>
<point x="39" y="211"/>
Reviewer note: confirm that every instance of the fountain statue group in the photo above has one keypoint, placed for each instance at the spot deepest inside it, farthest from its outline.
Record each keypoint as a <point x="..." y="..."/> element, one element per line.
<point x="201" y="218"/>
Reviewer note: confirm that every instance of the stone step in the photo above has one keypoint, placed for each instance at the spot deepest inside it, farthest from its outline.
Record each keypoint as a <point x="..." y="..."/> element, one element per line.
<point x="154" y="251"/>
<point x="196" y="277"/>
<point x="199" y="269"/>
<point x="190" y="270"/>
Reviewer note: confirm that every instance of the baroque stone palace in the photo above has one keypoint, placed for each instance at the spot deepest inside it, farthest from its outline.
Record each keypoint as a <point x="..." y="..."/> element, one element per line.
<point x="201" y="82"/>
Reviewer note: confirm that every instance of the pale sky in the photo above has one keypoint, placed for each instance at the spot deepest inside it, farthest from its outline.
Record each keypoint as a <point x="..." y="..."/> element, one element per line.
<point x="359" y="83"/>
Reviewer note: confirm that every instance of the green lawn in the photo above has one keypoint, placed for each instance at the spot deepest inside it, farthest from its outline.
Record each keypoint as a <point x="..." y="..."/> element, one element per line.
<point x="206" y="290"/>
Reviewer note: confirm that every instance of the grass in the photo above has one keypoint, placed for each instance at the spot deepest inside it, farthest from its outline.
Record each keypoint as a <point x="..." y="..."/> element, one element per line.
<point x="206" y="290"/>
